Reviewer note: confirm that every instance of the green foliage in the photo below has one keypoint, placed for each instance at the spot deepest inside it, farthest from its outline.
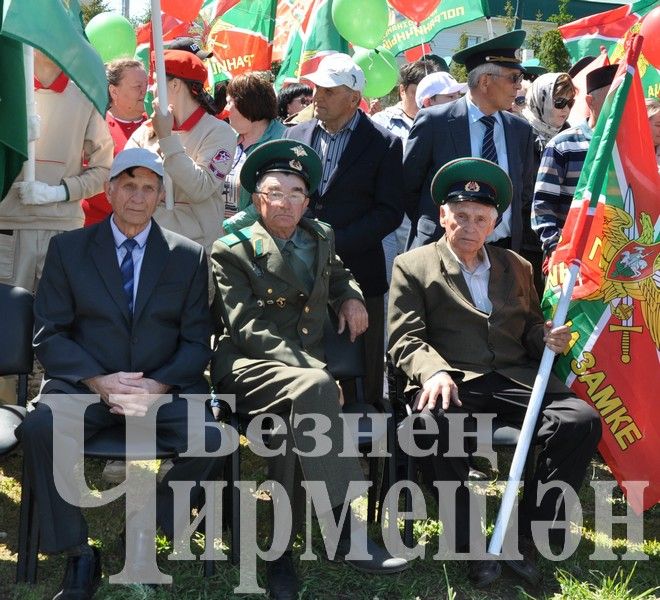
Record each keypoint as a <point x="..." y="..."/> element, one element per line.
<point x="459" y="72"/>
<point x="604" y="587"/>
<point x="145" y="17"/>
<point x="562" y="16"/>
<point x="509" y="16"/>
<point x="533" y="39"/>
<point x="552" y="52"/>
<point x="93" y="8"/>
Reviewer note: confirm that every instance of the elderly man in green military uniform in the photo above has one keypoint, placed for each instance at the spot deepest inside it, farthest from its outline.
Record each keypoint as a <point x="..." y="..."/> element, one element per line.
<point x="275" y="281"/>
<point x="465" y="326"/>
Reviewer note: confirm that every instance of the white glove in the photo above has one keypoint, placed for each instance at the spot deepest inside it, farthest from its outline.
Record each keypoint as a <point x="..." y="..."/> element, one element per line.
<point x="34" y="128"/>
<point x="37" y="192"/>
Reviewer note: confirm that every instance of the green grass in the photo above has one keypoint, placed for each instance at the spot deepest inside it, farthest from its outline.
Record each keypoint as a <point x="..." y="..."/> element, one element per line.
<point x="578" y="578"/>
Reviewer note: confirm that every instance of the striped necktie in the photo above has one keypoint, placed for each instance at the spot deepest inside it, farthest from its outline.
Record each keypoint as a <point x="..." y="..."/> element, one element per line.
<point x="488" y="150"/>
<point x="127" y="271"/>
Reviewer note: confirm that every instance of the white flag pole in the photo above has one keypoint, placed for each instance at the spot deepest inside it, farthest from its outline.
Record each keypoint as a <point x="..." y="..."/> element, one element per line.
<point x="531" y="416"/>
<point x="161" y="82"/>
<point x="28" y="62"/>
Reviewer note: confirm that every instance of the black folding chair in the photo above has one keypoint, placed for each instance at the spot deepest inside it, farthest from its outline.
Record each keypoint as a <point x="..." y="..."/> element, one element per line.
<point x="346" y="362"/>
<point x="504" y="435"/>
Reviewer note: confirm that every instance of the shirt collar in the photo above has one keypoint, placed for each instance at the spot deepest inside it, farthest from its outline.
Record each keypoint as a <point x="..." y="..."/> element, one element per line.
<point x="191" y="121"/>
<point x="58" y="85"/>
<point x="483" y="266"/>
<point x="120" y="238"/>
<point x="351" y="125"/>
<point x="474" y="112"/>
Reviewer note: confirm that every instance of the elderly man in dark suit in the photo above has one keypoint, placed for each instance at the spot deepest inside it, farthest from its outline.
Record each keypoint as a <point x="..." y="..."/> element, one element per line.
<point x="360" y="191"/>
<point x="466" y="328"/>
<point x="476" y="125"/>
<point x="121" y="312"/>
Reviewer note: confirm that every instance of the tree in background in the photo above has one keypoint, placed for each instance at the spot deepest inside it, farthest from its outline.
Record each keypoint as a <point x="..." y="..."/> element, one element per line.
<point x="533" y="39"/>
<point x="459" y="72"/>
<point x="509" y="16"/>
<point x="92" y="8"/>
<point x="552" y="52"/>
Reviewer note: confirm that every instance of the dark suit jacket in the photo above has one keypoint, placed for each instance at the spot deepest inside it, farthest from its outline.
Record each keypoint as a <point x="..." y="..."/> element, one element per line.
<point x="440" y="134"/>
<point x="363" y="200"/>
<point x="434" y="326"/>
<point x="82" y="322"/>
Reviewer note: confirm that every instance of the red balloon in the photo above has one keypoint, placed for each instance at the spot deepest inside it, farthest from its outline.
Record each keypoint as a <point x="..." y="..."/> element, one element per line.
<point x="650" y="30"/>
<point x="415" y="10"/>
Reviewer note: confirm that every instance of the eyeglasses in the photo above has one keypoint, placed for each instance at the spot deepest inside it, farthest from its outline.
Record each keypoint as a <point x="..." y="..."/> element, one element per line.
<point x="562" y="102"/>
<point x="520" y="100"/>
<point x="276" y="197"/>
<point x="514" y="78"/>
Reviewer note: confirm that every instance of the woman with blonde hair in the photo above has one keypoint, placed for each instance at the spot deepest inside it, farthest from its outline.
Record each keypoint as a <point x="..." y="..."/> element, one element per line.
<point x="653" y="112"/>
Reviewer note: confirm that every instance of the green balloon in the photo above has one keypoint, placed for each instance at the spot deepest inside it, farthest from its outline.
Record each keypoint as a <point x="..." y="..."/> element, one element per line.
<point x="380" y="69"/>
<point x="362" y="23"/>
<point x="112" y="36"/>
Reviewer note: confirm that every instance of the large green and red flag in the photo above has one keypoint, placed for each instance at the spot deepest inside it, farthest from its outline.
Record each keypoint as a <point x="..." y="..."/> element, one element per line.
<point x="314" y="37"/>
<point x="13" y="115"/>
<point x="403" y="33"/>
<point x="242" y="38"/>
<point x="613" y="226"/>
<point x="610" y="29"/>
<point x="55" y="27"/>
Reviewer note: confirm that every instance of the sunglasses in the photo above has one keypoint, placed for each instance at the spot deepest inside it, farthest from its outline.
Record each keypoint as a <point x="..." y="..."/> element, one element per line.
<point x="520" y="100"/>
<point x="514" y="78"/>
<point x="562" y="102"/>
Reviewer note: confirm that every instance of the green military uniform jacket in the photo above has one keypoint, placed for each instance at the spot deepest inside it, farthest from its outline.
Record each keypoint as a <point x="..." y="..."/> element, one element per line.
<point x="262" y="308"/>
<point x="434" y="326"/>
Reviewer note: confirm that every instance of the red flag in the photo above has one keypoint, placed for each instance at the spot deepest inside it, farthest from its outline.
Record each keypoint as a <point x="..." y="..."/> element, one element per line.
<point x="417" y="52"/>
<point x="185" y="10"/>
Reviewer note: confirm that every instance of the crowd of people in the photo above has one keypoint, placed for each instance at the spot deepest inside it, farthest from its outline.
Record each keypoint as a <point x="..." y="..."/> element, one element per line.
<point x="426" y="228"/>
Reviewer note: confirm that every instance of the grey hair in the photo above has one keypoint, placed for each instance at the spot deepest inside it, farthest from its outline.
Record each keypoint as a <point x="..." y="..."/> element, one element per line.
<point x="652" y="107"/>
<point x="475" y="74"/>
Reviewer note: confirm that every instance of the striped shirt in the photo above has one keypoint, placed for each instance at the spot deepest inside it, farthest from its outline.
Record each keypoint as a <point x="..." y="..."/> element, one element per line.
<point x="561" y="164"/>
<point x="330" y="147"/>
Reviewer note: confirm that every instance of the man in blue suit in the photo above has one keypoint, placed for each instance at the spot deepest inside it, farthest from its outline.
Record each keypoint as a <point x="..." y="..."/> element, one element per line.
<point x="476" y="125"/>
<point x="121" y="312"/>
<point x="360" y="191"/>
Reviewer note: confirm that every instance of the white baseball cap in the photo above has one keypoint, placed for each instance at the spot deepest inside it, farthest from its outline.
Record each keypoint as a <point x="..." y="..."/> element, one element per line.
<point x="338" y="69"/>
<point x="136" y="157"/>
<point x="437" y="83"/>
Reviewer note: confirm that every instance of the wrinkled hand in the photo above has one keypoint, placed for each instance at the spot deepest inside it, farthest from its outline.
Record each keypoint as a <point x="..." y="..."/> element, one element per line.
<point x="37" y="192"/>
<point x="440" y="385"/>
<point x="556" y="338"/>
<point x="375" y="106"/>
<point x="128" y="394"/>
<point x="162" y="124"/>
<point x="33" y="128"/>
<point x="354" y="314"/>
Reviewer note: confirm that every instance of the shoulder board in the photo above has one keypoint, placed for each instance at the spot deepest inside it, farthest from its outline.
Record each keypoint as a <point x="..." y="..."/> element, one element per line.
<point x="231" y="239"/>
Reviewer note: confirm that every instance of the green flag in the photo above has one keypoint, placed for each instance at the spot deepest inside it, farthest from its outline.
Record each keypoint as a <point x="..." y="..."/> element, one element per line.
<point x="13" y="115"/>
<point x="55" y="27"/>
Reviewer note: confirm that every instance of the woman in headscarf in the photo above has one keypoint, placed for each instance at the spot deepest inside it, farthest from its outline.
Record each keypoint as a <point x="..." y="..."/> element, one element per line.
<point x="549" y="101"/>
<point x="197" y="150"/>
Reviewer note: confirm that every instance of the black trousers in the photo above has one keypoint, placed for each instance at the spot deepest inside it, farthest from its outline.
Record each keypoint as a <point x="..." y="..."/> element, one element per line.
<point x="567" y="432"/>
<point x="61" y="524"/>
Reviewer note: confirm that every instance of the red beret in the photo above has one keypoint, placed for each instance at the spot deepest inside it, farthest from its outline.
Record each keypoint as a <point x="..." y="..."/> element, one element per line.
<point x="185" y="65"/>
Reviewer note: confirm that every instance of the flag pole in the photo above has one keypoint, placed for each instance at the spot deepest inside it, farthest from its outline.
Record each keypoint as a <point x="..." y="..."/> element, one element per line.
<point x="161" y="82"/>
<point x="28" y="62"/>
<point x="531" y="416"/>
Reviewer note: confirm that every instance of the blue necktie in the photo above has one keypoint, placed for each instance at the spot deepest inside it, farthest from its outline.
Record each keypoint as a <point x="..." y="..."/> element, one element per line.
<point x="488" y="150"/>
<point x="127" y="274"/>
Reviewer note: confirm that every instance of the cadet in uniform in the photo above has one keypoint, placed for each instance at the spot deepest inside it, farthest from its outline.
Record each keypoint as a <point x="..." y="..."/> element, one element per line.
<point x="275" y="281"/>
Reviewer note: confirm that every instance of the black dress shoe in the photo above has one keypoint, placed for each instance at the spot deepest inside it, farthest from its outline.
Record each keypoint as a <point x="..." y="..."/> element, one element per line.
<point x="526" y="567"/>
<point x="281" y="578"/>
<point x="82" y="577"/>
<point x="483" y="572"/>
<point x="381" y="561"/>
